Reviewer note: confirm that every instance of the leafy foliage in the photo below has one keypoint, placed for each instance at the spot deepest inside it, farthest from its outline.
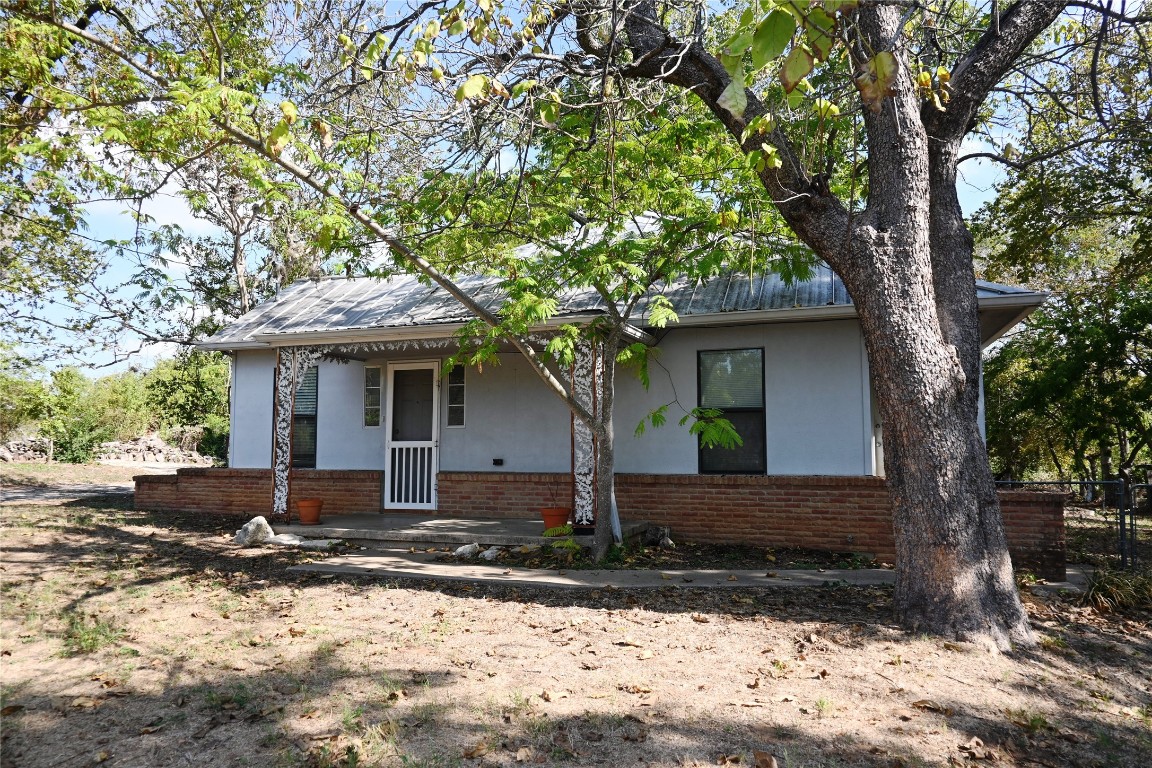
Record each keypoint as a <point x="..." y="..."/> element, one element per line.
<point x="78" y="413"/>
<point x="72" y="421"/>
<point x="1073" y="392"/>
<point x="1071" y="395"/>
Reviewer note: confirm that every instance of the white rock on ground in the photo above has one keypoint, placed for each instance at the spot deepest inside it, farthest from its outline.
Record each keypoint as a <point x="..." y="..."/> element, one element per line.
<point x="491" y="553"/>
<point x="254" y="533"/>
<point x="468" y="550"/>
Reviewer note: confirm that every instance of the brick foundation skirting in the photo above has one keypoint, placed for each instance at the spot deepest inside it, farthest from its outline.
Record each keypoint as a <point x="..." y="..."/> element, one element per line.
<point x="842" y="514"/>
<point x="214" y="490"/>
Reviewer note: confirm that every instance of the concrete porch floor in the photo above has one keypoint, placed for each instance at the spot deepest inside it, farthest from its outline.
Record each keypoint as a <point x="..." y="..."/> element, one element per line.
<point x="411" y="529"/>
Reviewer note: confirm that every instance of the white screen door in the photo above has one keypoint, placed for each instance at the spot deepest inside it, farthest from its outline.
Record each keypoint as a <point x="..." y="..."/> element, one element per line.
<point x="413" y="422"/>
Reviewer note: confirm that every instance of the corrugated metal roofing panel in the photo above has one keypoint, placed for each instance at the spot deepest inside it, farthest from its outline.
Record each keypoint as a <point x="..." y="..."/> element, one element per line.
<point x="337" y="304"/>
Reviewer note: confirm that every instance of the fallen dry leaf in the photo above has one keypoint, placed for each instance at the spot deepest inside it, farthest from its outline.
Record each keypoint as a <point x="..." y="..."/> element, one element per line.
<point x="764" y="759"/>
<point x="931" y="706"/>
<point x="699" y="619"/>
<point x="85" y="702"/>
<point x="637" y="735"/>
<point x="524" y="754"/>
<point x="976" y="750"/>
<point x="479" y="750"/>
<point x="11" y="709"/>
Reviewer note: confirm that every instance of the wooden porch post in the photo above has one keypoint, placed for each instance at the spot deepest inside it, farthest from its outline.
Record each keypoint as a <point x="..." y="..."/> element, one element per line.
<point x="284" y="405"/>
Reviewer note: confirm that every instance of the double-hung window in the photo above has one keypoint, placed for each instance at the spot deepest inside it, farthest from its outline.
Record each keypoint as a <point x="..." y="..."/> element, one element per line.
<point x="732" y="381"/>
<point x="304" y="422"/>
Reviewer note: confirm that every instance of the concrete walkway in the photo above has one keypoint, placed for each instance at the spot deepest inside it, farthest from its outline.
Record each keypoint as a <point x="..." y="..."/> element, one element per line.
<point x="423" y="565"/>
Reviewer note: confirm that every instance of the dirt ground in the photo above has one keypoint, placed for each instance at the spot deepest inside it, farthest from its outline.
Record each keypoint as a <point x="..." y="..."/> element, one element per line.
<point x="135" y="639"/>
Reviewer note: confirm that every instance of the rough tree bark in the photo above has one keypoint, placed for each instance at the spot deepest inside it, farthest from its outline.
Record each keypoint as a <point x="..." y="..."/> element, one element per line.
<point x="907" y="262"/>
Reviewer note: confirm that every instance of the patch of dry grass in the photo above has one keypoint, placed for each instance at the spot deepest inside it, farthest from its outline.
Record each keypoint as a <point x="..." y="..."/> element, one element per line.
<point x="42" y="474"/>
<point x="217" y="656"/>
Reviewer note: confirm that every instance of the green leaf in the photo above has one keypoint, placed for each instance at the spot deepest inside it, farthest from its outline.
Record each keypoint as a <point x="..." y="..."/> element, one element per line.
<point x="660" y="312"/>
<point x="825" y="109"/>
<point x="549" y="112"/>
<point x="771" y="38"/>
<point x="734" y="98"/>
<point x="288" y="109"/>
<point x="739" y="42"/>
<point x="841" y="6"/>
<point x="522" y="88"/>
<point x="821" y="33"/>
<point x="472" y="88"/>
<point x="278" y="139"/>
<point x="796" y="67"/>
<point x="733" y="65"/>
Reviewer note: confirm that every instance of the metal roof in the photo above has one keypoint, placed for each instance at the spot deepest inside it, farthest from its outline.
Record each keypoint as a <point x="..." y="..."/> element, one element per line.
<point x="362" y="306"/>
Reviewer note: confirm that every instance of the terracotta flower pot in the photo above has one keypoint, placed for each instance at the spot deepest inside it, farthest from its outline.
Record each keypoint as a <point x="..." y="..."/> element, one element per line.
<point x="309" y="510"/>
<point x="554" y="517"/>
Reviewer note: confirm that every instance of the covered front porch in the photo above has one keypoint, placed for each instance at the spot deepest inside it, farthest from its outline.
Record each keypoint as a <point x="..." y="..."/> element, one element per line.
<point x="417" y="405"/>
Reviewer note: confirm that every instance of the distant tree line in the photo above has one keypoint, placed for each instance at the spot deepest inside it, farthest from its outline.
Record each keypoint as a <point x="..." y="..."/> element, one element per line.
<point x="79" y="413"/>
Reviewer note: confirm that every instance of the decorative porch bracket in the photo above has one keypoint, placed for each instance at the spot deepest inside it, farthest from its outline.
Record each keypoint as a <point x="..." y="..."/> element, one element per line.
<point x="587" y="380"/>
<point x="291" y="363"/>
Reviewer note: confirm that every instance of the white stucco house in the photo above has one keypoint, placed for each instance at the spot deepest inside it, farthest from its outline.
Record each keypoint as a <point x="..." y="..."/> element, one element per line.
<point x="376" y="396"/>
<point x="366" y="417"/>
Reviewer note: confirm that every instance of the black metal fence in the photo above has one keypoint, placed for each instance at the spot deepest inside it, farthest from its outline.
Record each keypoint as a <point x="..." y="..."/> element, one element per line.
<point x="1107" y="522"/>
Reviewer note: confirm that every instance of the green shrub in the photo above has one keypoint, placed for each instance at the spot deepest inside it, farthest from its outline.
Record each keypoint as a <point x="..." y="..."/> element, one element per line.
<point x="215" y="440"/>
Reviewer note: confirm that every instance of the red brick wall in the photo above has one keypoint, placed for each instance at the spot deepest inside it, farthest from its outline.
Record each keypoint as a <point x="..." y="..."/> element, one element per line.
<point x="501" y="494"/>
<point x="844" y="514"/>
<point x="214" y="490"/>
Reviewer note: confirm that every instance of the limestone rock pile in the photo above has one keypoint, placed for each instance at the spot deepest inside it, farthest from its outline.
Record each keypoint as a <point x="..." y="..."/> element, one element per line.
<point x="28" y="449"/>
<point x="150" y="448"/>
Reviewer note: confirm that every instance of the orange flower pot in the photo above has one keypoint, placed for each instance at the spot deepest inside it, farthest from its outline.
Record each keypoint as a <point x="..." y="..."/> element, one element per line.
<point x="554" y="517"/>
<point x="309" y="510"/>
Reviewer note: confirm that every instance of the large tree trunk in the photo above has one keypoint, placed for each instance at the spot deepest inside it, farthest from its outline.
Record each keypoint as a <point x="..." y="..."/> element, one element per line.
<point x="906" y="261"/>
<point x="910" y="275"/>
<point x="603" y="537"/>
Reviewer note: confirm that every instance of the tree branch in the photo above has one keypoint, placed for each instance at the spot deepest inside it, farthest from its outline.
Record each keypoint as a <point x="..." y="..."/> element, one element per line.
<point x="986" y="64"/>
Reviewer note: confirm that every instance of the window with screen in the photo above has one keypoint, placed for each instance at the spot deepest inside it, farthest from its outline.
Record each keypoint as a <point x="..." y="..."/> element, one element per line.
<point x="456" y="397"/>
<point x="304" y="422"/>
<point x="372" y="390"/>
<point x="732" y="381"/>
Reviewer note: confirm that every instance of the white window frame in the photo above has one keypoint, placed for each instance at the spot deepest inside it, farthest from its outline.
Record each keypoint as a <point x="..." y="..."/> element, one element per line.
<point x="447" y="384"/>
<point x="364" y="398"/>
